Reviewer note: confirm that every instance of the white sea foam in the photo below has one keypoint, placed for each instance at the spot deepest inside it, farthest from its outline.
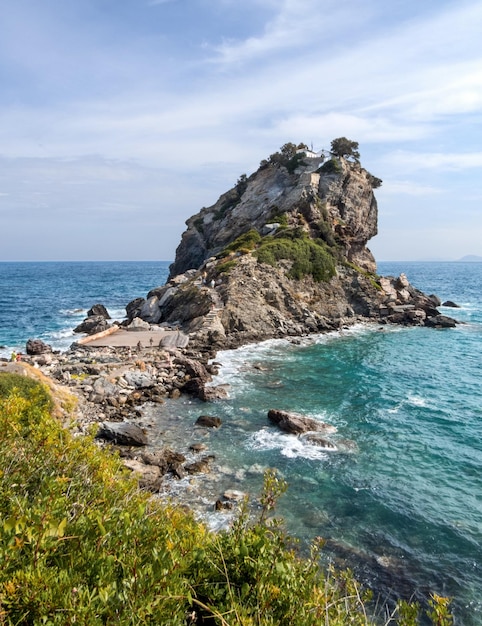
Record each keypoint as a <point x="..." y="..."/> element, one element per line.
<point x="416" y="401"/>
<point x="259" y="355"/>
<point x="288" y="445"/>
<point x="73" y="312"/>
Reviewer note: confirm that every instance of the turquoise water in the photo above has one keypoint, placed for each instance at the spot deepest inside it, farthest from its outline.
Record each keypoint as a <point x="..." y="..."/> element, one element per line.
<point x="400" y="500"/>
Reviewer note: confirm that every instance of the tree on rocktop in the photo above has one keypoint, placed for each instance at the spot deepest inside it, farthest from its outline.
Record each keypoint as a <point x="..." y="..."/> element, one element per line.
<point x="343" y="147"/>
<point x="288" y="156"/>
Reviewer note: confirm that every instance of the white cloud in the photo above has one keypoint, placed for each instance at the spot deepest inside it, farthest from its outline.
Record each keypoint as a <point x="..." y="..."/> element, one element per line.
<point x="173" y="127"/>
<point x="407" y="187"/>
<point x="417" y="161"/>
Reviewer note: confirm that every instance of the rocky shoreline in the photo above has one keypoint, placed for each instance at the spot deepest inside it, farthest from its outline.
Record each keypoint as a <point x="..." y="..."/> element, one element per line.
<point x="281" y="255"/>
<point x="118" y="388"/>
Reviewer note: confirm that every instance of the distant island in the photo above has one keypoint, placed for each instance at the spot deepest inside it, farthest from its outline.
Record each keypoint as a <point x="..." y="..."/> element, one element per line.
<point x="471" y="258"/>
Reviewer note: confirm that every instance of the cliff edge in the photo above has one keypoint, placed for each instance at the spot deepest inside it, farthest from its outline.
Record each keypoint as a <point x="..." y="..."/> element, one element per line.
<point x="284" y="253"/>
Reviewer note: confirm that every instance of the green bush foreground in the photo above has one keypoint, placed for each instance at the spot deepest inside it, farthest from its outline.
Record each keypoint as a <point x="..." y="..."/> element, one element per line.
<point x="79" y="544"/>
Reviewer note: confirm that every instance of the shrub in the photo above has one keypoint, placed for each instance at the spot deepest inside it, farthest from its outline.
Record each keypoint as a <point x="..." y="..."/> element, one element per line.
<point x="226" y="266"/>
<point x="332" y="166"/>
<point x="308" y="257"/>
<point x="80" y="544"/>
<point x="247" y="241"/>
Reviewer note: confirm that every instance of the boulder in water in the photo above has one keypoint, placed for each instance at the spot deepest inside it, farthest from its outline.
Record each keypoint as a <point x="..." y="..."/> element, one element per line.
<point x="209" y="421"/>
<point x="296" y="424"/>
<point x="37" y="346"/>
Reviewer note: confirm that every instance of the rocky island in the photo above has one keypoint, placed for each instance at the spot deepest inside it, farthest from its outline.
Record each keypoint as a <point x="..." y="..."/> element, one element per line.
<point x="284" y="253"/>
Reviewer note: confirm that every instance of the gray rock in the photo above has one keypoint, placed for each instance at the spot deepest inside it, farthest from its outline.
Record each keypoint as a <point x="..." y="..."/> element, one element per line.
<point x="37" y="346"/>
<point x="122" y="433"/>
<point x="105" y="388"/>
<point x="92" y="325"/>
<point x="134" y="307"/>
<point x="98" y="310"/>
<point x="138" y="324"/>
<point x="150" y="311"/>
<point x="174" y="339"/>
<point x="435" y="299"/>
<point x="139" y="380"/>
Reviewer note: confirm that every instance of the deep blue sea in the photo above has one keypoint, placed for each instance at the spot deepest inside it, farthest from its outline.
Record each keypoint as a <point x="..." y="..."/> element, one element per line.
<point x="400" y="500"/>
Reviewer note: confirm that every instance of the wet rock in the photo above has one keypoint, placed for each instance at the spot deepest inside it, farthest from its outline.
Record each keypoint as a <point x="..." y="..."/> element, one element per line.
<point x="92" y="325"/>
<point x="440" y="321"/>
<point x="208" y="394"/>
<point x="198" y="447"/>
<point x="296" y="424"/>
<point x="37" y="346"/>
<point x="203" y="466"/>
<point x="122" y="433"/>
<point x="451" y="304"/>
<point x="98" y="310"/>
<point x="234" y="495"/>
<point x="209" y="421"/>
<point x="435" y="299"/>
<point x="223" y="505"/>
<point x="173" y="462"/>
<point x="318" y="440"/>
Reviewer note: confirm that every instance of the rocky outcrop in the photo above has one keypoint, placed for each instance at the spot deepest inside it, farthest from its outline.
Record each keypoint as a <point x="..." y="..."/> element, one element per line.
<point x="35" y="347"/>
<point x="284" y="253"/>
<point x="95" y="322"/>
<point x="332" y="200"/>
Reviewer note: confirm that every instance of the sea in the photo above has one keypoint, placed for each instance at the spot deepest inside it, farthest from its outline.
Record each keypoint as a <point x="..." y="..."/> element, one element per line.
<point x="398" y="498"/>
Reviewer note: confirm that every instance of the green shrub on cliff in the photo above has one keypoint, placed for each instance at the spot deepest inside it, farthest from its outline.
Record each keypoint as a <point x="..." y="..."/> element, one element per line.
<point x="244" y="243"/>
<point x="79" y="544"/>
<point x="332" y="166"/>
<point x="309" y="257"/>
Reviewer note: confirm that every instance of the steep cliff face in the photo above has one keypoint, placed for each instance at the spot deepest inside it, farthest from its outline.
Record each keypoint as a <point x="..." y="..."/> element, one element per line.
<point x="332" y="199"/>
<point x="283" y="253"/>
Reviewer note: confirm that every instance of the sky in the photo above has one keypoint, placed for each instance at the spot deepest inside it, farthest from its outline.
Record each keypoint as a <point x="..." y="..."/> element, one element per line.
<point x="119" y="119"/>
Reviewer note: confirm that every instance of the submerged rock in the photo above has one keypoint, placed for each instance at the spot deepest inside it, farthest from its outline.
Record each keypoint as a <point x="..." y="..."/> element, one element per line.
<point x="449" y="303"/>
<point x="209" y="421"/>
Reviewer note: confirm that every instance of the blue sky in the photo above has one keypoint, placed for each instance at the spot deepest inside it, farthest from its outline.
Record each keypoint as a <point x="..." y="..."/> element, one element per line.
<point x="122" y="118"/>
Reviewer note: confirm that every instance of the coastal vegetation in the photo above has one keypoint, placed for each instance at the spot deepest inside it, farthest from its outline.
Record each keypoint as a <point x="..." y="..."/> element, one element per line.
<point x="308" y="256"/>
<point x="80" y="544"/>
